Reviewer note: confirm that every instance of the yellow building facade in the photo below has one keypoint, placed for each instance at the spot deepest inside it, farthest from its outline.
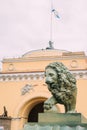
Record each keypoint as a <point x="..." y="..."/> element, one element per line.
<point x="22" y="84"/>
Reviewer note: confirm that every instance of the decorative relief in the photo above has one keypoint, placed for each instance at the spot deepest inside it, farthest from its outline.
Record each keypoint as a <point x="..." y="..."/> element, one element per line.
<point x="11" y="67"/>
<point x="74" y="64"/>
<point x="37" y="76"/>
<point x="81" y="75"/>
<point x="26" y="89"/>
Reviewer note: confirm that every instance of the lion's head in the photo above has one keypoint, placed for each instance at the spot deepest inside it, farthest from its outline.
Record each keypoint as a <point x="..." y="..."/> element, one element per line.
<point x="57" y="73"/>
<point x="61" y="83"/>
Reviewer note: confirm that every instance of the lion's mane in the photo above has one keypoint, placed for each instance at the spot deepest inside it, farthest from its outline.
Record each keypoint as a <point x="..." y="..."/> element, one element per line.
<point x="65" y="91"/>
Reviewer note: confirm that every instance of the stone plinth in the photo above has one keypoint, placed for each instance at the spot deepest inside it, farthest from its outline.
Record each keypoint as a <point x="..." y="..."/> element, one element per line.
<point x="58" y="121"/>
<point x="5" y="122"/>
<point x="60" y="118"/>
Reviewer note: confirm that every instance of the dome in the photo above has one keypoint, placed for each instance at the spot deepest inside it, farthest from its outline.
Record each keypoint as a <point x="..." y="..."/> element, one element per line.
<point x="43" y="53"/>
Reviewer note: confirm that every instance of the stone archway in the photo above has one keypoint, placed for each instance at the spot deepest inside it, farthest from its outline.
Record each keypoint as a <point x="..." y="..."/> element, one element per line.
<point x="26" y="109"/>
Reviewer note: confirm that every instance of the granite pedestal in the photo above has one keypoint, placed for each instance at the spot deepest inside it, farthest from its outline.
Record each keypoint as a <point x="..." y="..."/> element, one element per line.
<point x="70" y="118"/>
<point x="58" y="121"/>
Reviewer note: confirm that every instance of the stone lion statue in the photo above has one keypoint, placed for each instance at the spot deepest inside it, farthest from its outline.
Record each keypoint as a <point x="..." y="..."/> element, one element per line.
<point x="62" y="84"/>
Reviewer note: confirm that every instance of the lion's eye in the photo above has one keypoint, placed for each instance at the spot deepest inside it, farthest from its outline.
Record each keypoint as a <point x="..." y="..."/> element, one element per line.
<point x="51" y="74"/>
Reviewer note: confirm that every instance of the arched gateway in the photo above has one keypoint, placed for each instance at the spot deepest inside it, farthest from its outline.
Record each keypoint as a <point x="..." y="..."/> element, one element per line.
<point x="28" y="111"/>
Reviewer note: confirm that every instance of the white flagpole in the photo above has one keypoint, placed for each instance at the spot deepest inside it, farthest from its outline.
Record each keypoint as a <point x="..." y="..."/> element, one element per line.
<point x="53" y="11"/>
<point x="51" y="22"/>
<point x="51" y="27"/>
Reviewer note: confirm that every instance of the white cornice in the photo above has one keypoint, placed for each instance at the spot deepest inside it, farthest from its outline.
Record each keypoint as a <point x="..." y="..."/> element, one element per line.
<point x="44" y="58"/>
<point x="36" y="76"/>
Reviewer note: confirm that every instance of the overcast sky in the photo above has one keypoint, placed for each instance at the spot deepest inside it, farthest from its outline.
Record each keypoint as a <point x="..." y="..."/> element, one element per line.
<point x="25" y="26"/>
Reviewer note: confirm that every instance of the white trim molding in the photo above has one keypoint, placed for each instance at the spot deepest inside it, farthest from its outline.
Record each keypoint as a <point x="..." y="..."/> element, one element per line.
<point x="36" y="76"/>
<point x="22" y="76"/>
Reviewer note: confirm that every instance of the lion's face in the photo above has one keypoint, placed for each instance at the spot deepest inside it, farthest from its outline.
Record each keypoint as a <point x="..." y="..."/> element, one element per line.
<point x="51" y="76"/>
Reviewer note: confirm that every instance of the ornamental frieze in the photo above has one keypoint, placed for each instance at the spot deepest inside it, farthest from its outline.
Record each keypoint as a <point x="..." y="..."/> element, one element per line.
<point x="36" y="76"/>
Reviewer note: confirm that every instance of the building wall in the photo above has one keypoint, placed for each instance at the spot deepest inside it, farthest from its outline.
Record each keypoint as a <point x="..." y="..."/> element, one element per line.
<point x="22" y="84"/>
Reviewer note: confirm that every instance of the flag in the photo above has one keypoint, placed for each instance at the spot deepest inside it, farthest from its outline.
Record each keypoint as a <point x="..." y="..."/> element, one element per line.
<point x="55" y="13"/>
